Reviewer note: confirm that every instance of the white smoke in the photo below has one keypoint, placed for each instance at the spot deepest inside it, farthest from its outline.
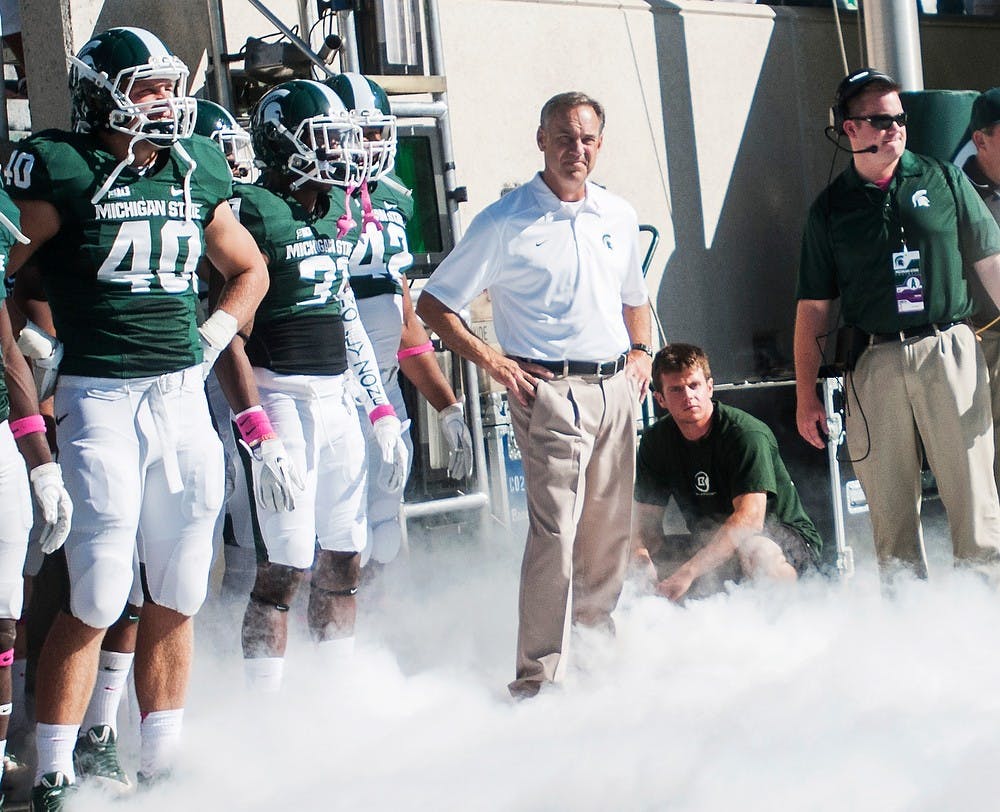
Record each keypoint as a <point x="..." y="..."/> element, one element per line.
<point x="823" y="696"/>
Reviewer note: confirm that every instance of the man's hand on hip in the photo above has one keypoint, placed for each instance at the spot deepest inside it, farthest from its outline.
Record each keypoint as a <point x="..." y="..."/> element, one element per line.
<point x="519" y="378"/>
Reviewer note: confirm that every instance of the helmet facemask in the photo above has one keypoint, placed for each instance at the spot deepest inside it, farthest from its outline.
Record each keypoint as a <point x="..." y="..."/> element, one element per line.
<point x="328" y="151"/>
<point x="235" y="145"/>
<point x="379" y="132"/>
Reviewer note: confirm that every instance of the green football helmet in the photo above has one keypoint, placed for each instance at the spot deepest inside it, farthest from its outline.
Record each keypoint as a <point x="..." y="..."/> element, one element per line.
<point x="104" y="74"/>
<point x="369" y="107"/>
<point x="216" y="122"/>
<point x="302" y="129"/>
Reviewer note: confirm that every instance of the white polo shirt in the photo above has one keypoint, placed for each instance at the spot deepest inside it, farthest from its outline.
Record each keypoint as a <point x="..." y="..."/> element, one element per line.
<point x="557" y="273"/>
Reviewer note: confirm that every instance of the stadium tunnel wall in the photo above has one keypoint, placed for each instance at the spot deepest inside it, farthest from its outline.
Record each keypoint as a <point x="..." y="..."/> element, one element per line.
<point x="715" y="119"/>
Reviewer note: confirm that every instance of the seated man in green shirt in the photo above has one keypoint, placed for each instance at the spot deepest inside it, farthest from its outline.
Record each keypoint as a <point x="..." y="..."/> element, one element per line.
<point x="722" y="467"/>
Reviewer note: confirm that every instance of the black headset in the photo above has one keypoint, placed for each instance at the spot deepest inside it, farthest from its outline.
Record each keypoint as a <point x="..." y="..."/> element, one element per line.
<point x="849" y="87"/>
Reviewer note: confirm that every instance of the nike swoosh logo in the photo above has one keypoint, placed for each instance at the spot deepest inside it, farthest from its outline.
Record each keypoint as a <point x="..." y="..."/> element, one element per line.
<point x="60" y="419"/>
<point x="175" y="191"/>
<point x="540" y="242"/>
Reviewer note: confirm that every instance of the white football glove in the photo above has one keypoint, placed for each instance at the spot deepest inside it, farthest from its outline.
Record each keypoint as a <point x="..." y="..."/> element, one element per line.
<point x="56" y="506"/>
<point x="456" y="434"/>
<point x="275" y="479"/>
<point x="45" y="352"/>
<point x="388" y="432"/>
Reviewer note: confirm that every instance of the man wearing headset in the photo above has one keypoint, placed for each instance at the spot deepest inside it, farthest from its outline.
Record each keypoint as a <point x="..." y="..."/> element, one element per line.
<point x="893" y="238"/>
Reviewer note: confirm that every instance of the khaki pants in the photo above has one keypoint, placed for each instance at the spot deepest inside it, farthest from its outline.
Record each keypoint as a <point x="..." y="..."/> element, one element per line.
<point x="925" y="395"/>
<point x="991" y="351"/>
<point x="577" y="441"/>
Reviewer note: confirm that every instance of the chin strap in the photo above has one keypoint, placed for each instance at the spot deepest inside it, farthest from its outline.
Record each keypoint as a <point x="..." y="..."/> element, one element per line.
<point x="109" y="182"/>
<point x="346" y="222"/>
<point x="366" y="209"/>
<point x="192" y="165"/>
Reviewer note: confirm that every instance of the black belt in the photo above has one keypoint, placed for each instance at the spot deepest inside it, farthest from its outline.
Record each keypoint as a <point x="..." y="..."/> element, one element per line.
<point x="913" y="332"/>
<point x="564" y="368"/>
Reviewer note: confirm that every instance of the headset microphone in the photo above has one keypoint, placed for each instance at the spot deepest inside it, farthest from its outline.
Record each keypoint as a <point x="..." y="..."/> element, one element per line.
<point x="828" y="132"/>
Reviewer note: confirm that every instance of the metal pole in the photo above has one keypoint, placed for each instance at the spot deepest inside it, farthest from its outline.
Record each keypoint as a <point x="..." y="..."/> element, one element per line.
<point x="835" y="438"/>
<point x="294" y="38"/>
<point x="436" y="58"/>
<point x="469" y="501"/>
<point x="892" y="36"/>
<point x="350" y="62"/>
<point x="306" y="20"/>
<point x="412" y="109"/>
<point x="217" y="49"/>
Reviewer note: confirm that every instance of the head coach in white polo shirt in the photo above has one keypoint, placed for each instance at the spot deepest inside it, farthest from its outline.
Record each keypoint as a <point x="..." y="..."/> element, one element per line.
<point x="560" y="258"/>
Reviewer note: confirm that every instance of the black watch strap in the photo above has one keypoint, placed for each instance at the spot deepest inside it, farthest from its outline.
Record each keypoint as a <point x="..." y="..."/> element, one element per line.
<point x="644" y="348"/>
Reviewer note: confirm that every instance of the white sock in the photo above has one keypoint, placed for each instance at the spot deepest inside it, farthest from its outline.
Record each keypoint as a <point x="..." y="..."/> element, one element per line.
<point x="112" y="674"/>
<point x="55" y="745"/>
<point x="264" y="674"/>
<point x="3" y="752"/>
<point x="159" y="734"/>
<point x="337" y="651"/>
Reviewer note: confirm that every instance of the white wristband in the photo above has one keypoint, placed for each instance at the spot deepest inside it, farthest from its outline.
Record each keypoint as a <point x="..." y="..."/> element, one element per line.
<point x="219" y="329"/>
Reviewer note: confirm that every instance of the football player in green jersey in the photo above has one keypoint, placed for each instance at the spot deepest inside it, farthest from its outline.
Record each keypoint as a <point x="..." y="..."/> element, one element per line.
<point x="378" y="277"/>
<point x="306" y="336"/>
<point x="21" y="427"/>
<point x="120" y="213"/>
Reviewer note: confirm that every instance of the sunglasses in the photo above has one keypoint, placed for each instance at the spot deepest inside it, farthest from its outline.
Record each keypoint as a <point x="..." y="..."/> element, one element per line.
<point x="883" y="121"/>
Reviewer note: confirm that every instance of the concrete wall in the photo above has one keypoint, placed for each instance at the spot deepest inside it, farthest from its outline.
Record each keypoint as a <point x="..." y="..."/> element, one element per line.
<point x="715" y="118"/>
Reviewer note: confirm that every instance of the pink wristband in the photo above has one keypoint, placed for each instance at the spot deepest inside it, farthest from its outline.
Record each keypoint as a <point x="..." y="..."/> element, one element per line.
<point x="6" y="658"/>
<point x="418" y="350"/>
<point x="381" y="411"/>
<point x="254" y="425"/>
<point x="27" y="425"/>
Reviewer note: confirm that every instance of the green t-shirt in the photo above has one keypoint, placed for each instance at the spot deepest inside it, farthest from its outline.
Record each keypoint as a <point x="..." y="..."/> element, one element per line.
<point x="380" y="258"/>
<point x="119" y="274"/>
<point x="854" y="228"/>
<point x="739" y="455"/>
<point x="11" y="212"/>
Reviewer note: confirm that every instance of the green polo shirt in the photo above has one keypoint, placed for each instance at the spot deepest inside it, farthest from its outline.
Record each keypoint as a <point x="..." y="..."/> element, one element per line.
<point x="854" y="228"/>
